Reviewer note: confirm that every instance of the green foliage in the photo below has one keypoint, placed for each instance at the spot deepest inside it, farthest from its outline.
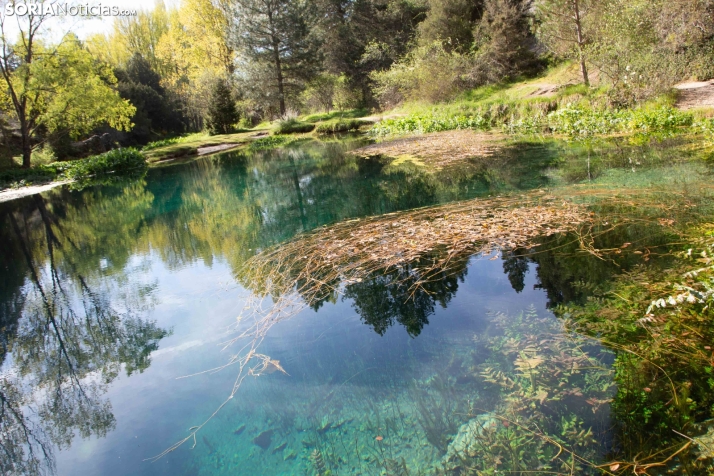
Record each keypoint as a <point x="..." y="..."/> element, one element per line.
<point x="292" y="126"/>
<point x="115" y="161"/>
<point x="580" y="122"/>
<point x="222" y="112"/>
<point x="340" y="125"/>
<point x="552" y="388"/>
<point x="270" y="142"/>
<point x="425" y="123"/>
<point x="428" y="73"/>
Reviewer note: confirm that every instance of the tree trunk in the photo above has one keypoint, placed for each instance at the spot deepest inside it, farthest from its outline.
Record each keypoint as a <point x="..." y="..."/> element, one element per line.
<point x="278" y="65"/>
<point x="581" y="43"/>
<point x="26" y="145"/>
<point x="279" y="73"/>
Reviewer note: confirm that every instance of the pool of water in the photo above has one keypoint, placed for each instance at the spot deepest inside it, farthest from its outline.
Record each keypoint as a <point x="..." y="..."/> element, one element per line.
<point x="111" y="294"/>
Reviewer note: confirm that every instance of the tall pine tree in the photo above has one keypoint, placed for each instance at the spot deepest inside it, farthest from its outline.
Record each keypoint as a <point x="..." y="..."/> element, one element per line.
<point x="276" y="34"/>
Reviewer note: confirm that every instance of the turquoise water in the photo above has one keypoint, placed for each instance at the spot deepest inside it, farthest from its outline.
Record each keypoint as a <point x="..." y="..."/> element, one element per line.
<point x="109" y="295"/>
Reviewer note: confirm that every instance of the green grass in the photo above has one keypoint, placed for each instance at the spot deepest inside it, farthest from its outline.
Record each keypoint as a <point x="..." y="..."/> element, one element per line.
<point x="189" y="145"/>
<point x="327" y="116"/>
<point x="340" y="125"/>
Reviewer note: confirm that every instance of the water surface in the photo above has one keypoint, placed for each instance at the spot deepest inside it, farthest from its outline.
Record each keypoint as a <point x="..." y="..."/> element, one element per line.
<point x="110" y="294"/>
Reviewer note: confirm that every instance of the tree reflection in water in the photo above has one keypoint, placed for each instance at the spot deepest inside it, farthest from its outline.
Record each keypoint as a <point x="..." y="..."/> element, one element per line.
<point x="70" y="326"/>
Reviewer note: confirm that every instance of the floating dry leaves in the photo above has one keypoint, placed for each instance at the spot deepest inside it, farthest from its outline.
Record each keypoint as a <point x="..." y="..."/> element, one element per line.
<point x="438" y="149"/>
<point x="288" y="278"/>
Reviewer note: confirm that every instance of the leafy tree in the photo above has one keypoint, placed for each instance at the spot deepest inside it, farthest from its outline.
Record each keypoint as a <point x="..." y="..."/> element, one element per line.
<point x="563" y="28"/>
<point x="157" y="112"/>
<point x="59" y="89"/>
<point x="222" y="113"/>
<point x="275" y="35"/>
<point x="141" y="35"/>
<point x="451" y="21"/>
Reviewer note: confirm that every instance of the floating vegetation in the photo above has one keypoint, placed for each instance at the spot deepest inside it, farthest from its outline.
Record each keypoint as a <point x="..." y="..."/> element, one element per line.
<point x="436" y="149"/>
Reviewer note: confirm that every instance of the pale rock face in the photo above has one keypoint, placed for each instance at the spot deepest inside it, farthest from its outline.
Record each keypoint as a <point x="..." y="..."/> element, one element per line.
<point x="465" y="443"/>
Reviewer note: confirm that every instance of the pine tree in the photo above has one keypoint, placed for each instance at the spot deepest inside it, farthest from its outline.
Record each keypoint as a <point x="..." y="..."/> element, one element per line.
<point x="222" y="113"/>
<point x="276" y="33"/>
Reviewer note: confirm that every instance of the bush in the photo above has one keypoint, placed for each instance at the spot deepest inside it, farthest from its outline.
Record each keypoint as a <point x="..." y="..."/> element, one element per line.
<point x="340" y="125"/>
<point x="112" y="162"/>
<point x="427" y="73"/>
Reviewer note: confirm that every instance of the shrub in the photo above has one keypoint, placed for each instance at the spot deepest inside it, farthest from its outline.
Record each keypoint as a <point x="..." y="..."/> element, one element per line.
<point x="319" y="93"/>
<point x="427" y="73"/>
<point x="114" y="161"/>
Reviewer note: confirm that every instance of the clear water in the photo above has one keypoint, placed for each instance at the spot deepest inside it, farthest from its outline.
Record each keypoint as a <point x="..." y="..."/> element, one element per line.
<point x="110" y="294"/>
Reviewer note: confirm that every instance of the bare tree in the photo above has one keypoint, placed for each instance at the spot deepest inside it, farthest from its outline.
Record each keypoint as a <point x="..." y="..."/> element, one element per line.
<point x="562" y="29"/>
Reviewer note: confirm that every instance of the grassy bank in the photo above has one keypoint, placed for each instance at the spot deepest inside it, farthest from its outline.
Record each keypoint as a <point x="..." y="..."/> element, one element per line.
<point x="549" y="104"/>
<point x="104" y="168"/>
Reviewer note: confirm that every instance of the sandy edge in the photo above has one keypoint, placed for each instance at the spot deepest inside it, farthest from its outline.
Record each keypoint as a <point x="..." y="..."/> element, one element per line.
<point x="14" y="193"/>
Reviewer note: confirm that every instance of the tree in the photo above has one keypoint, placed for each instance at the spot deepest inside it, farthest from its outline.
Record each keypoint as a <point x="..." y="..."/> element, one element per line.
<point x="56" y="88"/>
<point x="157" y="112"/>
<point x="222" y="113"/>
<point x="275" y="34"/>
<point x="562" y="28"/>
<point x="451" y="21"/>
<point x="503" y="41"/>
<point x="141" y="34"/>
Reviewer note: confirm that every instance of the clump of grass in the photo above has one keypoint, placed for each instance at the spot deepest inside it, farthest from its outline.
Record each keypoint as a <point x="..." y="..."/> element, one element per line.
<point x="340" y="125"/>
<point x="175" y="140"/>
<point x="326" y="116"/>
<point x="292" y="126"/>
<point x="113" y="162"/>
<point x="270" y="142"/>
<point x="572" y="119"/>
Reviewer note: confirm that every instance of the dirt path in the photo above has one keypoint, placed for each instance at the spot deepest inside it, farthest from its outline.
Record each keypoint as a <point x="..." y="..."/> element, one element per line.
<point x="695" y="94"/>
<point x="215" y="148"/>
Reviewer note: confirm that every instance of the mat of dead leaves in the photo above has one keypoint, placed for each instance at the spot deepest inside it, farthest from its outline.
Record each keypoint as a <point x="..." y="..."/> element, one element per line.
<point x="438" y="149"/>
<point x="349" y="251"/>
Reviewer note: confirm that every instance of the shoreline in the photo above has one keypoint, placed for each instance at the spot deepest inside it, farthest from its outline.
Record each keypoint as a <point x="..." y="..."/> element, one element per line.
<point x="15" y="193"/>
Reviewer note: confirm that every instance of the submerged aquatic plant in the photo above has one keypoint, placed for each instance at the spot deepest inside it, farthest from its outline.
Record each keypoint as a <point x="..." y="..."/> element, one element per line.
<point x="552" y="388"/>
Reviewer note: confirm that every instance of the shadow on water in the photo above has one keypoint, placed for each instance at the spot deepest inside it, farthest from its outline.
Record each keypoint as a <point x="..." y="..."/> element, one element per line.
<point x="409" y="369"/>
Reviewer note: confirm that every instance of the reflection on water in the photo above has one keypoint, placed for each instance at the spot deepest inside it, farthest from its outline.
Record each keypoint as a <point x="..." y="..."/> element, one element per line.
<point x="107" y="295"/>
